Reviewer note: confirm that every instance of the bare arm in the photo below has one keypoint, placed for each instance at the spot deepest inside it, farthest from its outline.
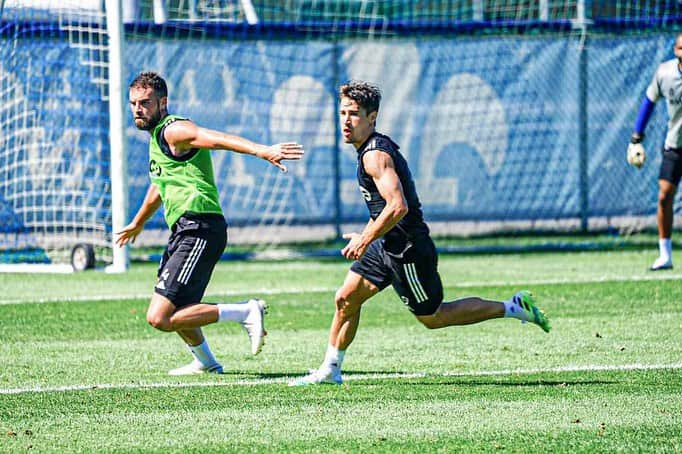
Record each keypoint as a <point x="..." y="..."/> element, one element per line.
<point x="151" y="203"/>
<point x="380" y="167"/>
<point x="183" y="136"/>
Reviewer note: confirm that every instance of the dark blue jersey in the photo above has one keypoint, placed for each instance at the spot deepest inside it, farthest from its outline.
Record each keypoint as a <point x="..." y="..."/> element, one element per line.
<point x="412" y="225"/>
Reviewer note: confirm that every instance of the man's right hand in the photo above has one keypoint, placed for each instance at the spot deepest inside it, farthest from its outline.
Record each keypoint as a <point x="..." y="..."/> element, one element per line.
<point x="128" y="234"/>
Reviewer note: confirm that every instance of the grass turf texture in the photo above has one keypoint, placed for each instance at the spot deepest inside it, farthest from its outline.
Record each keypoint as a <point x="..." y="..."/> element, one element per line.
<point x="82" y="371"/>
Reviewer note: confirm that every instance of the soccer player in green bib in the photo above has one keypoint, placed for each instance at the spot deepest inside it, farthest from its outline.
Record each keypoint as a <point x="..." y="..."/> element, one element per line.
<point x="182" y="180"/>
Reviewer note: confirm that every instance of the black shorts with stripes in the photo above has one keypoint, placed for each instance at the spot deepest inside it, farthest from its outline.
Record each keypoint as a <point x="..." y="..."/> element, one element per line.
<point x="413" y="273"/>
<point x="671" y="165"/>
<point x="195" y="245"/>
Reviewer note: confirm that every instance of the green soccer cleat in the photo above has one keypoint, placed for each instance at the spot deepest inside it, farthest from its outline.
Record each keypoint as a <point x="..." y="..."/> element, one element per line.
<point x="528" y="311"/>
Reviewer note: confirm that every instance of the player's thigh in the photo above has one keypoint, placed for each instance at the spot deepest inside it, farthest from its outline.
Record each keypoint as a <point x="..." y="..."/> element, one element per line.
<point x="355" y="290"/>
<point x="416" y="278"/>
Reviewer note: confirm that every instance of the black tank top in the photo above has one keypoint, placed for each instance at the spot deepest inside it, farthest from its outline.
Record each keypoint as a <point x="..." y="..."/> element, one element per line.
<point x="412" y="225"/>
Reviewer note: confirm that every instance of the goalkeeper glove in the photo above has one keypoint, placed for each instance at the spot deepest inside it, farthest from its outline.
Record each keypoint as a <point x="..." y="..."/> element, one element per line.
<point x="636" y="154"/>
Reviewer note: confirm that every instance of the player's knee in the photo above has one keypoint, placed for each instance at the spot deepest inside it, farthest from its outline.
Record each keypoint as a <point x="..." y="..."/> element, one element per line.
<point x="340" y="299"/>
<point x="158" y="322"/>
<point x="431" y="321"/>
<point x="344" y="304"/>
<point x="662" y="198"/>
<point x="665" y="197"/>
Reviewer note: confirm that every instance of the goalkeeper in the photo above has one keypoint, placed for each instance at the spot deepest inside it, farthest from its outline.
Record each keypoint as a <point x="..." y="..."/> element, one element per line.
<point x="182" y="180"/>
<point x="667" y="83"/>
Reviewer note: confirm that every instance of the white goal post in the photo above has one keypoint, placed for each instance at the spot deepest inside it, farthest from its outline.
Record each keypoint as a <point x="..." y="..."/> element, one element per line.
<point x="63" y="197"/>
<point x="117" y="143"/>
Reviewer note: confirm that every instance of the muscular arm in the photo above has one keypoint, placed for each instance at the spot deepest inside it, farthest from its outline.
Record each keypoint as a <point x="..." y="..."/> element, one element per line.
<point x="151" y="203"/>
<point x="380" y="167"/>
<point x="183" y="136"/>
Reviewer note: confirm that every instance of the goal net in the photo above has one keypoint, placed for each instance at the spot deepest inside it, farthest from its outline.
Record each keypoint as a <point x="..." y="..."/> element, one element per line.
<point x="54" y="138"/>
<point x="513" y="115"/>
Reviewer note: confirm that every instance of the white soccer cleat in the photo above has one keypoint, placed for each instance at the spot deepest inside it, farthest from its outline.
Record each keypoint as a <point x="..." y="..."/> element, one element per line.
<point x="662" y="263"/>
<point x="195" y="368"/>
<point x="255" y="324"/>
<point x="321" y="376"/>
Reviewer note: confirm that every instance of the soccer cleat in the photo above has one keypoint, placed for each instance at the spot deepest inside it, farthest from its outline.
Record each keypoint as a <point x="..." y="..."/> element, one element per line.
<point x="321" y="376"/>
<point x="195" y="368"/>
<point x="528" y="311"/>
<point x="255" y="324"/>
<point x="661" y="264"/>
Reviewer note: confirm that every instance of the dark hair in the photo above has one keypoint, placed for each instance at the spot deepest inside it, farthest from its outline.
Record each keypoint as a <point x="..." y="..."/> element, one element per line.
<point x="151" y="80"/>
<point x="367" y="96"/>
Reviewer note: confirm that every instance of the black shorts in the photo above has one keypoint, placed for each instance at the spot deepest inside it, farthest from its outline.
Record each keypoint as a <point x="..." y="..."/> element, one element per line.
<point x="196" y="243"/>
<point x="413" y="273"/>
<point x="671" y="165"/>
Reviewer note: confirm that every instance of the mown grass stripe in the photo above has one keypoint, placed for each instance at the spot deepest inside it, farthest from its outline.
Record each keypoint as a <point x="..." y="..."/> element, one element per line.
<point x="293" y="290"/>
<point x="352" y="377"/>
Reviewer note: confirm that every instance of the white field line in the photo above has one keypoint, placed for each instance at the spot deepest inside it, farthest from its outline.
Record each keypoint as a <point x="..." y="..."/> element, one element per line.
<point x="376" y="376"/>
<point x="661" y="276"/>
<point x="145" y="296"/>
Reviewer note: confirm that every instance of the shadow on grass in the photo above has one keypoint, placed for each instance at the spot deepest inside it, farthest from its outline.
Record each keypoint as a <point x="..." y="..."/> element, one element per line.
<point x="365" y="374"/>
<point x="427" y="379"/>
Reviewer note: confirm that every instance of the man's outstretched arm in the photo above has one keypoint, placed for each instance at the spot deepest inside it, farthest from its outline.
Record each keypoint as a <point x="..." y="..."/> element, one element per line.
<point x="183" y="136"/>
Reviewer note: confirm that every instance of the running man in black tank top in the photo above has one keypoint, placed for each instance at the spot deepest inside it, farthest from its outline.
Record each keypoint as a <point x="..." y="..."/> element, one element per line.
<point x="395" y="247"/>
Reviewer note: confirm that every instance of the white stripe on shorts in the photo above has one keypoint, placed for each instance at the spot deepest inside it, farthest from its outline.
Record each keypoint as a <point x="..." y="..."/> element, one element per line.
<point x="413" y="281"/>
<point x="191" y="261"/>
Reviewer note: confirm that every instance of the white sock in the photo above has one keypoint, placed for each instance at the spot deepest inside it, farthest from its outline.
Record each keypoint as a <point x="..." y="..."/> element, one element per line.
<point x="514" y="310"/>
<point x="236" y="312"/>
<point x="202" y="353"/>
<point x="665" y="248"/>
<point x="333" y="357"/>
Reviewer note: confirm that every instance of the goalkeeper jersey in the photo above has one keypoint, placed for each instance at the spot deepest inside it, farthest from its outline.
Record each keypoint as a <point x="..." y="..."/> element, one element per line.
<point x="667" y="83"/>
<point x="185" y="183"/>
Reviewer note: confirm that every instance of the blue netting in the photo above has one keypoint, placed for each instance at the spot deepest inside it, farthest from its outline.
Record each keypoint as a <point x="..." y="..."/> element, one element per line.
<point x="486" y="104"/>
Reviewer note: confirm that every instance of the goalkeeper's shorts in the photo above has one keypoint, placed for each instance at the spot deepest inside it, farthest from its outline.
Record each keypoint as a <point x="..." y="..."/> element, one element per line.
<point x="196" y="243"/>
<point x="671" y="165"/>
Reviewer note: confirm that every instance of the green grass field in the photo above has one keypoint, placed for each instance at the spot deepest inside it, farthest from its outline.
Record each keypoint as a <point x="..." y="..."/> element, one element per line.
<point x="82" y="371"/>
